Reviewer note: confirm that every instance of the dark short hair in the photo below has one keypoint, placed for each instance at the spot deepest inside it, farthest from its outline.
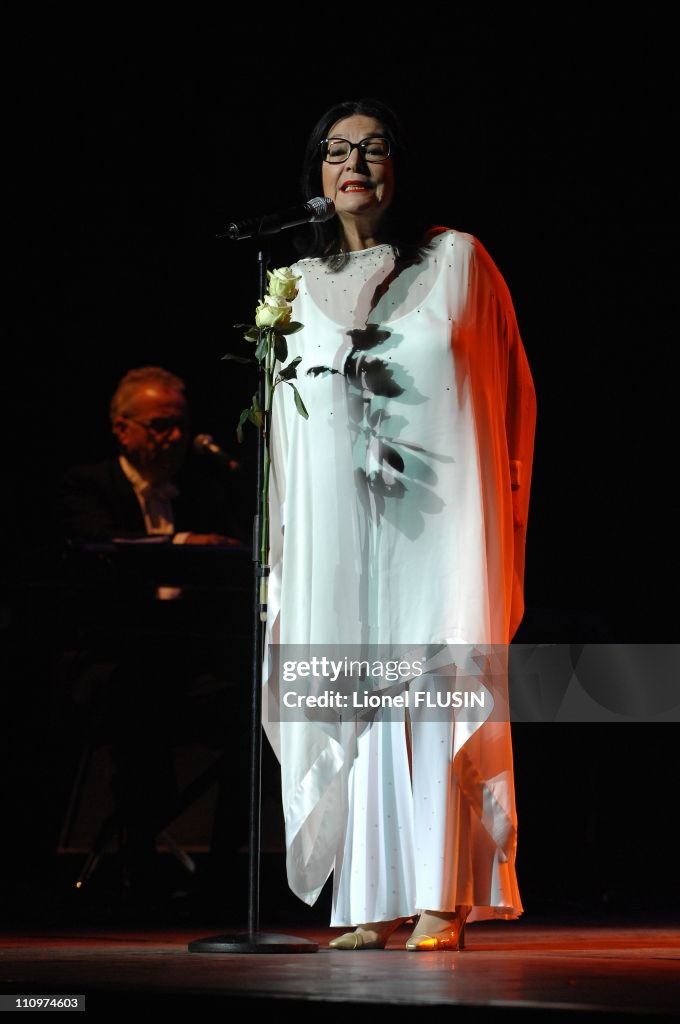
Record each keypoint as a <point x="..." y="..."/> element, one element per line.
<point x="404" y="225"/>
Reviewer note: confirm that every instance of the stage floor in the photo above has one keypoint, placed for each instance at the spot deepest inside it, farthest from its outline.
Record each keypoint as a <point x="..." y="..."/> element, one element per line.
<point x="514" y="970"/>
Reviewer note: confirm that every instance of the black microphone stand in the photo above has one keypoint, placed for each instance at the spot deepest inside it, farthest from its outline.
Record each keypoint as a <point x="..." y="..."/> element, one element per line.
<point x="253" y="940"/>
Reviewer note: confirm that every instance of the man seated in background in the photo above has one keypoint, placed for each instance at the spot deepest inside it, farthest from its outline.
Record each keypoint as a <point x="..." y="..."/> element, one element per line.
<point x="151" y="487"/>
<point x="158" y="485"/>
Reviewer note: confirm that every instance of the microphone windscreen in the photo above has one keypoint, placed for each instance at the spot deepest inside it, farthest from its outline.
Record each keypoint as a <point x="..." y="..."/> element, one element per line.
<point x="324" y="207"/>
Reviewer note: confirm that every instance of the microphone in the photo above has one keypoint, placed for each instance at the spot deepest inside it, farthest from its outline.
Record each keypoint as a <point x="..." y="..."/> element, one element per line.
<point x="312" y="212"/>
<point x="205" y="444"/>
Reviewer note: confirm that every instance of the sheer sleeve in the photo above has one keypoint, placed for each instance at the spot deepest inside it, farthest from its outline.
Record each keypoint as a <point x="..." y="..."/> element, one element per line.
<point x="520" y="423"/>
<point x="488" y="343"/>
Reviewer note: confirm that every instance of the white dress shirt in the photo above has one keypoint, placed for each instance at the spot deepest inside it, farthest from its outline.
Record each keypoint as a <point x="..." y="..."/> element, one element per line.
<point x="155" y="501"/>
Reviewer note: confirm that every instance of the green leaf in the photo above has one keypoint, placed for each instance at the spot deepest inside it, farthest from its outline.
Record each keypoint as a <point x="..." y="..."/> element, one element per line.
<point x="292" y="328"/>
<point x="299" y="404"/>
<point x="290" y="371"/>
<point x="261" y="350"/>
<point x="280" y="348"/>
<point x="241" y="420"/>
<point x="251" y="333"/>
<point x="255" y="413"/>
<point x="237" y="359"/>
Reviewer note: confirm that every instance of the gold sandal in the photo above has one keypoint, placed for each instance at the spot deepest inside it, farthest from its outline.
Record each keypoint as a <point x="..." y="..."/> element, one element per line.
<point x="356" y="939"/>
<point x="451" y="937"/>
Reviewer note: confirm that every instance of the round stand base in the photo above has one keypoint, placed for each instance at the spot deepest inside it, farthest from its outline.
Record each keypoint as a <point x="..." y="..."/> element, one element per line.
<point x="253" y="942"/>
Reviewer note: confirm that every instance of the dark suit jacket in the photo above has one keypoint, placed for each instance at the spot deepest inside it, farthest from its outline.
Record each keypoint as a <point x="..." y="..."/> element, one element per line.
<point x="97" y="502"/>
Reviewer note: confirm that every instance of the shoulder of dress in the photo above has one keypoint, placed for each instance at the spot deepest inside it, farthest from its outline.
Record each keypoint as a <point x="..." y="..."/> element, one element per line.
<point x="473" y="260"/>
<point x="452" y="236"/>
<point x="469" y="247"/>
<point x="306" y="261"/>
<point x="460" y="241"/>
<point x="307" y="267"/>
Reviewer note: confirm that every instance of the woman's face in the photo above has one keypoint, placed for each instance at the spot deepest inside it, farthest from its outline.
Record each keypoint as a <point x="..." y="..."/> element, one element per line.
<point x="357" y="186"/>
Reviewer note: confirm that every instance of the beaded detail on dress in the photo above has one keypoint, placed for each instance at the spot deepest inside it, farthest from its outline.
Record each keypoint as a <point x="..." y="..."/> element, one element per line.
<point x="370" y="287"/>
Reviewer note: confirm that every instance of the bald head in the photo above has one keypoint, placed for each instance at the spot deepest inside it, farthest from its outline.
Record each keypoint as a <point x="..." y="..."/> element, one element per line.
<point x="149" y="417"/>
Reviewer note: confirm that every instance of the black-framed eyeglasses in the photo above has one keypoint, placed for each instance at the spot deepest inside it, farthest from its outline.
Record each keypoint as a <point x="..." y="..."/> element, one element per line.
<point x="161" y="426"/>
<point x="375" y="150"/>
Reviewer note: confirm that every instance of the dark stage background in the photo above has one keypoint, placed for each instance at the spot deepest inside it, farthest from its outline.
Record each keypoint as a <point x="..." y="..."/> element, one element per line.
<point x="551" y="144"/>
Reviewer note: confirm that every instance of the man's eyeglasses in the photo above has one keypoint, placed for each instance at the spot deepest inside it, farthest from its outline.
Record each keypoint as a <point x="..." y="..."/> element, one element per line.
<point x="375" y="150"/>
<point x="161" y="426"/>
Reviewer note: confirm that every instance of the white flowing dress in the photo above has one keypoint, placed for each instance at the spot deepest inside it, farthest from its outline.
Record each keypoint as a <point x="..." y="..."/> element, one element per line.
<point x="397" y="516"/>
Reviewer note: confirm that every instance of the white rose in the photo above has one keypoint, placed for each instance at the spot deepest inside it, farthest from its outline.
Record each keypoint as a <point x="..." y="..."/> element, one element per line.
<point x="273" y="311"/>
<point x="282" y="283"/>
